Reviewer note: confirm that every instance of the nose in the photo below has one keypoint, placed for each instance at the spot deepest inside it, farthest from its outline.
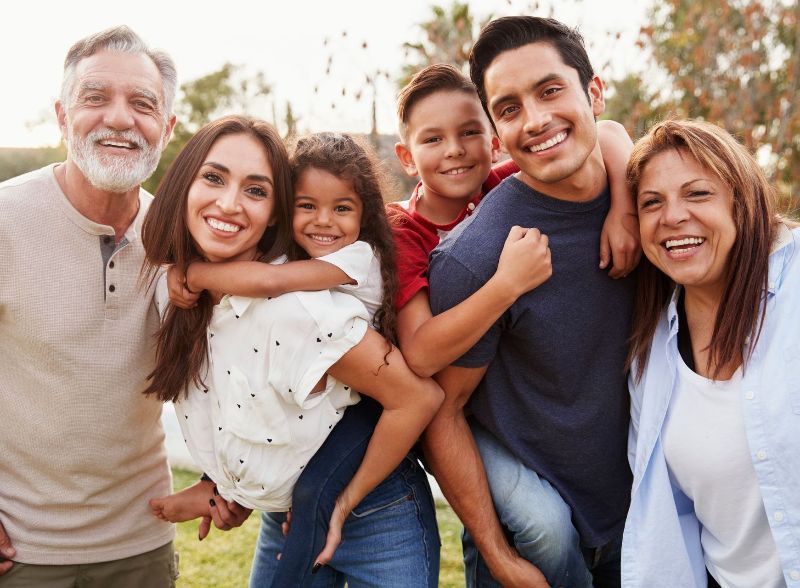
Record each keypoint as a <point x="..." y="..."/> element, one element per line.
<point x="228" y="201"/>
<point x="118" y="115"/>
<point x="536" y="117"/>
<point x="674" y="212"/>
<point x="454" y="148"/>
<point x="322" y="217"/>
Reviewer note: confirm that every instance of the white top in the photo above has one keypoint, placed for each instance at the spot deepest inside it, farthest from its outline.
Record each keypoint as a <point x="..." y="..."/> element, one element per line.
<point x="255" y="424"/>
<point x="359" y="262"/>
<point x="708" y="456"/>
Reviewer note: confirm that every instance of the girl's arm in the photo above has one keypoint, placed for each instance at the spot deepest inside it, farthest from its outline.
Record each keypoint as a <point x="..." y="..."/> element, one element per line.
<point x="409" y="403"/>
<point x="255" y="279"/>
<point x="430" y="343"/>
<point x="619" y="239"/>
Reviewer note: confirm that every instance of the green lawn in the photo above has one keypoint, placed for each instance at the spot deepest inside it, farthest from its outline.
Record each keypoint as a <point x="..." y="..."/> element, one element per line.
<point x="222" y="560"/>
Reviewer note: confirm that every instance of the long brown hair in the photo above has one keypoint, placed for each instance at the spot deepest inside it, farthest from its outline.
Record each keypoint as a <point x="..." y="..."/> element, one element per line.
<point x="181" y="344"/>
<point x="740" y="315"/>
<point x="349" y="159"/>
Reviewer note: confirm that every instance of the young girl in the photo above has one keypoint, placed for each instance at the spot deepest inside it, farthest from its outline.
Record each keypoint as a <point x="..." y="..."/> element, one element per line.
<point x="249" y="375"/>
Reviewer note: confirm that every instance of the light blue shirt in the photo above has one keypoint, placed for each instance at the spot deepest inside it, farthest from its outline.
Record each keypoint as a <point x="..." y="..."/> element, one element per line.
<point x="661" y="543"/>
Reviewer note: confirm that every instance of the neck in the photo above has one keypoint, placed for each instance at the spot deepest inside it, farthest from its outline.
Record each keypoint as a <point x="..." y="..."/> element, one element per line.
<point x="106" y="208"/>
<point x="581" y="186"/>
<point x="702" y="306"/>
<point x="439" y="209"/>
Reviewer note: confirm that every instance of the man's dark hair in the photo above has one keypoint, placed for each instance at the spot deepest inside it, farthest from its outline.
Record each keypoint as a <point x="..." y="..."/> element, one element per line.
<point x="512" y="32"/>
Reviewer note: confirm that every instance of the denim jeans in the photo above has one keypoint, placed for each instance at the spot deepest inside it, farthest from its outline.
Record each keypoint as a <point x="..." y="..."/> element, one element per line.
<point x="390" y="538"/>
<point x="538" y="523"/>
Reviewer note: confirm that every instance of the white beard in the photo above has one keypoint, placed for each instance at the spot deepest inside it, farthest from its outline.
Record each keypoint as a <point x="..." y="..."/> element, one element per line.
<point x="113" y="173"/>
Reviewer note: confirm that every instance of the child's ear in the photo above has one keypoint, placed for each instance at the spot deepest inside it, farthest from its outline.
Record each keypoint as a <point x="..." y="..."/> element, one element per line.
<point x="403" y="154"/>
<point x="495" y="148"/>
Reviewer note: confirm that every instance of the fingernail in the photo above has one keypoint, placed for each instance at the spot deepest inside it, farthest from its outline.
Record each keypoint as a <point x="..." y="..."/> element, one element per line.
<point x="199" y="537"/>
<point x="211" y="502"/>
<point x="316" y="568"/>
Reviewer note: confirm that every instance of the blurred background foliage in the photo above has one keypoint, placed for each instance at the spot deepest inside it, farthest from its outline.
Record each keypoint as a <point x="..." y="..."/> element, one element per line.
<point x="732" y="62"/>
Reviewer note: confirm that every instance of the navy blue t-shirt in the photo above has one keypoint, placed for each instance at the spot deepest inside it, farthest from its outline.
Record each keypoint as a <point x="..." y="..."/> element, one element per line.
<point x="555" y="390"/>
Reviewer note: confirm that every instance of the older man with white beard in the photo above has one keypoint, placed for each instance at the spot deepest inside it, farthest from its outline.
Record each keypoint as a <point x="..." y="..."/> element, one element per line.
<point x="82" y="448"/>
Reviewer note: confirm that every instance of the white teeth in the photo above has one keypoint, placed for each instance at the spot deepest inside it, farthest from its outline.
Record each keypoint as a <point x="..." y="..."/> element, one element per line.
<point x="675" y="243"/>
<point x="323" y="238"/>
<point x="549" y="143"/>
<point x="221" y="226"/>
<point x="116" y="144"/>
<point x="458" y="170"/>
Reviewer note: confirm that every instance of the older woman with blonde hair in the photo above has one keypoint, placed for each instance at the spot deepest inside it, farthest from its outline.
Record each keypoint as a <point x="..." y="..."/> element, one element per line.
<point x="715" y="369"/>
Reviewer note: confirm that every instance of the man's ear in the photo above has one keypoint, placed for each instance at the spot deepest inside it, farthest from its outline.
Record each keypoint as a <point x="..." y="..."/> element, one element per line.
<point x="596" y="98"/>
<point x="168" y="131"/>
<point x="403" y="154"/>
<point x="495" y="148"/>
<point x="61" y="117"/>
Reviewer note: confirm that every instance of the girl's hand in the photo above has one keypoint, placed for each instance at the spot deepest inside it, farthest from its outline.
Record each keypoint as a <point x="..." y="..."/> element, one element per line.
<point x="525" y="260"/>
<point x="179" y="293"/>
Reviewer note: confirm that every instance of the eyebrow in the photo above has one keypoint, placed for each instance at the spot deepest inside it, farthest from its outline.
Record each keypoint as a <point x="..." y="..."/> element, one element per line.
<point x="252" y="177"/>
<point x="145" y="93"/>
<point x="538" y="84"/>
<point x="683" y="185"/>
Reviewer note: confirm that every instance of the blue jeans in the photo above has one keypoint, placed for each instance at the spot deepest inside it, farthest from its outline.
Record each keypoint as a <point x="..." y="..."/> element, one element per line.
<point x="538" y="523"/>
<point x="390" y="538"/>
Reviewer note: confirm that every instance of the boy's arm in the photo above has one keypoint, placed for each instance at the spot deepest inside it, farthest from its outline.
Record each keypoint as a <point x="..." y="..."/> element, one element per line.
<point x="619" y="239"/>
<point x="451" y="453"/>
<point x="430" y="343"/>
<point x="255" y="279"/>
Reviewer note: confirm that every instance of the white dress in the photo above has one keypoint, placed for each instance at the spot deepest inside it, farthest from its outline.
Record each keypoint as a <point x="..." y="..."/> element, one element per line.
<point x="254" y="424"/>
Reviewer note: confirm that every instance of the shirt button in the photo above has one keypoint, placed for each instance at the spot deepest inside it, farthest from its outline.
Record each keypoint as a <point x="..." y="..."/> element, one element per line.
<point x="111" y="288"/>
<point x="762" y="455"/>
<point x="778" y="516"/>
<point x="111" y="264"/>
<point x="471" y="206"/>
<point x="794" y="575"/>
<point x="106" y="239"/>
<point x="749" y="395"/>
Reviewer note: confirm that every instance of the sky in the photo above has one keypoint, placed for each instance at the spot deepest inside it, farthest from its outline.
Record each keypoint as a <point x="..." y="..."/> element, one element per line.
<point x="289" y="41"/>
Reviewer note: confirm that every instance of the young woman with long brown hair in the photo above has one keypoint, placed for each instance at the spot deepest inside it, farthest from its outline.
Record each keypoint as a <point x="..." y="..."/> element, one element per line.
<point x="259" y="383"/>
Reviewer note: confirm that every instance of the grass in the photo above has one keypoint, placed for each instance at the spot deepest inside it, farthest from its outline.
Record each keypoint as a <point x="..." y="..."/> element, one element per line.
<point x="223" y="559"/>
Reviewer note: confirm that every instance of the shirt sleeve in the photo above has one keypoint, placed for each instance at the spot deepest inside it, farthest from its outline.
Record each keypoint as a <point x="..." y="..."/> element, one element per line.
<point x="412" y="260"/>
<point x="354" y="260"/>
<point x="325" y="326"/>
<point x="161" y="295"/>
<point x="450" y="284"/>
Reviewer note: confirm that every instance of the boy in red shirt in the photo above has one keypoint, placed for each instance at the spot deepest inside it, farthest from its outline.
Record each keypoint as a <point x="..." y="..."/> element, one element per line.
<point x="448" y="141"/>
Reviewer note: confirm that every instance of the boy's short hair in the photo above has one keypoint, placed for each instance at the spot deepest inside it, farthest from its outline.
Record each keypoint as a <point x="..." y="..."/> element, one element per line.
<point x="511" y="32"/>
<point x="433" y="78"/>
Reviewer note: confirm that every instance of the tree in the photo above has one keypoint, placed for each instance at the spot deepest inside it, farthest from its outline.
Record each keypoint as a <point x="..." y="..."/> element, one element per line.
<point x="224" y="91"/>
<point x="734" y="63"/>
<point x="447" y="38"/>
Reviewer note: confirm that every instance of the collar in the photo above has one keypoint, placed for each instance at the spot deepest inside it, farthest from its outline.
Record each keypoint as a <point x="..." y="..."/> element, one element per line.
<point x="238" y="304"/>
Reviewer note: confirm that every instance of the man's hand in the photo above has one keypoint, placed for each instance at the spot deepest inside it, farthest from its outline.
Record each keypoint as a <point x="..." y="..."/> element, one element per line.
<point x="179" y="293"/>
<point x="7" y="551"/>
<point x="619" y="243"/>
<point x="519" y="572"/>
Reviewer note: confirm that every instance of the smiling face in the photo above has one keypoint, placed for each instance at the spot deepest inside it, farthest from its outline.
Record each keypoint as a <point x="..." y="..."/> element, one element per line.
<point x="544" y="117"/>
<point x="686" y="221"/>
<point x="327" y="212"/>
<point x="449" y="144"/>
<point x="114" y="122"/>
<point x="230" y="201"/>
